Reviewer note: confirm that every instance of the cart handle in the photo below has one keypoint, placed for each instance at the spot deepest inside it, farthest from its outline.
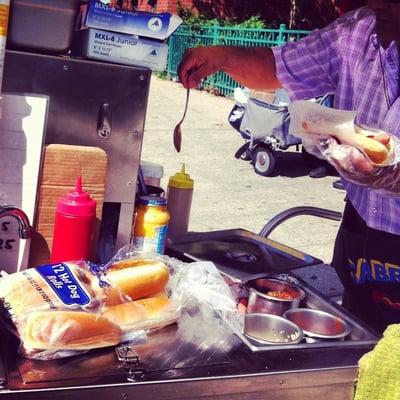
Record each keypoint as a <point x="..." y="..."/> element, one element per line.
<point x="296" y="211"/>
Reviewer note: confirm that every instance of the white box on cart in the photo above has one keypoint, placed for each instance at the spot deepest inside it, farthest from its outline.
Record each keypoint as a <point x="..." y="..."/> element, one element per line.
<point x="120" y="48"/>
<point x="100" y="14"/>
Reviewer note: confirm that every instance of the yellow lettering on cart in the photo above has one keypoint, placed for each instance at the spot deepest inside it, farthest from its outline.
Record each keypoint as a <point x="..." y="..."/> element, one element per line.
<point x="360" y="263"/>
<point x="393" y="272"/>
<point x="379" y="271"/>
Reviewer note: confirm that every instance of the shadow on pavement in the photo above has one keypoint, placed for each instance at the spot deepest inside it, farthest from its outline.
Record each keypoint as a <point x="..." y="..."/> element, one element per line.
<point x="290" y="164"/>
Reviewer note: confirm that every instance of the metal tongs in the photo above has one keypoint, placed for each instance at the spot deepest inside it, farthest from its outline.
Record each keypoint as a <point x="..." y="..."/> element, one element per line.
<point x="177" y="130"/>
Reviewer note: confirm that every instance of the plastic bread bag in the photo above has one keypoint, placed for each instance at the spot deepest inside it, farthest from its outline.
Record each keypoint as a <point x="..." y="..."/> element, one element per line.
<point x="63" y="309"/>
<point x="207" y="302"/>
<point x="332" y="134"/>
<point x="68" y="308"/>
<point x="204" y="298"/>
<point x="144" y="280"/>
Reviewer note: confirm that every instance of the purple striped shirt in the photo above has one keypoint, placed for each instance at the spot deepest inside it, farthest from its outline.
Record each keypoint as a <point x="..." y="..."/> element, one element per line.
<point x="344" y="59"/>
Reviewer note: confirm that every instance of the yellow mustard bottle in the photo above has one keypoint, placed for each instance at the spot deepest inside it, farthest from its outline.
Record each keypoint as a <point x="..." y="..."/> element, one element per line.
<point x="150" y="227"/>
<point x="179" y="196"/>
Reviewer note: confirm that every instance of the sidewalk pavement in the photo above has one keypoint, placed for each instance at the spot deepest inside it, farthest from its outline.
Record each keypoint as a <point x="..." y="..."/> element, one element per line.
<point x="228" y="193"/>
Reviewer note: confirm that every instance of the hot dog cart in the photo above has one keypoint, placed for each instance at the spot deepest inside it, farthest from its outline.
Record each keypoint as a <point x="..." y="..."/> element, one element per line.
<point x="203" y="356"/>
<point x="200" y="356"/>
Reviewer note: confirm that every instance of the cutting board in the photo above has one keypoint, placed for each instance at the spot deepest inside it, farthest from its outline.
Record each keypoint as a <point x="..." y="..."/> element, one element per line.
<point x="62" y="165"/>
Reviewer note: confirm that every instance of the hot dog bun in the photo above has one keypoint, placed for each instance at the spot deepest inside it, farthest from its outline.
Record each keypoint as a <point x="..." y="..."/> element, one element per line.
<point x="380" y="154"/>
<point x="63" y="330"/>
<point x="132" y="279"/>
<point x="162" y="294"/>
<point x="376" y="151"/>
<point x="348" y="133"/>
<point x="146" y="313"/>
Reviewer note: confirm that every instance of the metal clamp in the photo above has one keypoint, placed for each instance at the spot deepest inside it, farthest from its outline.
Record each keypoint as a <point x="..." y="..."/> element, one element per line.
<point x="131" y="361"/>
<point x="104" y="124"/>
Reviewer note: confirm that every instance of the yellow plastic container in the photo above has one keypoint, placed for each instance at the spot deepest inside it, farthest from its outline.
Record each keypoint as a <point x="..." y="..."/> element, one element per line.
<point x="179" y="195"/>
<point x="150" y="227"/>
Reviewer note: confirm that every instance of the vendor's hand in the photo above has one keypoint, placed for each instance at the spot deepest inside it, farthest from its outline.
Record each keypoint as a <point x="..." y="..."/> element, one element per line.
<point x="355" y="166"/>
<point x="197" y="63"/>
<point x="345" y="158"/>
<point x="349" y="159"/>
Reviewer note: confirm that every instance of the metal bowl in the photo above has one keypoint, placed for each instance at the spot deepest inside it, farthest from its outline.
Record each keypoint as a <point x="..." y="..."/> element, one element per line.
<point x="318" y="325"/>
<point x="261" y="302"/>
<point x="271" y="329"/>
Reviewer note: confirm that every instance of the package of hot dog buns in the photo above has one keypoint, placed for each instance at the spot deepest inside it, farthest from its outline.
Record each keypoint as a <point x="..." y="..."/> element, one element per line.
<point x="66" y="308"/>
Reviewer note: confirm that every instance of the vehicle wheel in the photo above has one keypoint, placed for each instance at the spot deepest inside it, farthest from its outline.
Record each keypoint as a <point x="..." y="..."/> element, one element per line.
<point x="263" y="161"/>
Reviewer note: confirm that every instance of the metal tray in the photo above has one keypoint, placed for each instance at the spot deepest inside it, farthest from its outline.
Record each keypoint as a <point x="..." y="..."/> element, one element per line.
<point x="241" y="254"/>
<point x="360" y="334"/>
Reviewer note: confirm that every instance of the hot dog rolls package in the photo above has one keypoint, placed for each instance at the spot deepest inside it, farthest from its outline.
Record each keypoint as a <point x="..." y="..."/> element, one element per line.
<point x="62" y="309"/>
<point x="69" y="308"/>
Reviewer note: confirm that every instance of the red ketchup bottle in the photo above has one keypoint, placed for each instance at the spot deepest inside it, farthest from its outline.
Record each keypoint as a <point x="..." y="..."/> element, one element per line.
<point x="73" y="227"/>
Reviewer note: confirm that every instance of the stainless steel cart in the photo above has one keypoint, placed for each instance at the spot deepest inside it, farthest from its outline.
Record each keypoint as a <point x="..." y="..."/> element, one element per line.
<point x="169" y="366"/>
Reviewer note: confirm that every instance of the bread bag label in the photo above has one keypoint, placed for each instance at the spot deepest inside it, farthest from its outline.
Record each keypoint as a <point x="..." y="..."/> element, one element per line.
<point x="64" y="284"/>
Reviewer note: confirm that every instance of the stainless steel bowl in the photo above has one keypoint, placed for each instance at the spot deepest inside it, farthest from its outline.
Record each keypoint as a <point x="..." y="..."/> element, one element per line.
<point x="271" y="329"/>
<point x="318" y="325"/>
<point x="261" y="302"/>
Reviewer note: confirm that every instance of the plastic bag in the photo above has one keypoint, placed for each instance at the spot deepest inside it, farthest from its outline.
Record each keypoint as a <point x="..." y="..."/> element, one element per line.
<point x="62" y="309"/>
<point x="205" y="298"/>
<point x="353" y="150"/>
<point x="68" y="308"/>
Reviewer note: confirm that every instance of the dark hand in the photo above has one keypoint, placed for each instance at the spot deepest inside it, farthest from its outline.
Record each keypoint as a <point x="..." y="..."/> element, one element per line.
<point x="354" y="166"/>
<point x="197" y="63"/>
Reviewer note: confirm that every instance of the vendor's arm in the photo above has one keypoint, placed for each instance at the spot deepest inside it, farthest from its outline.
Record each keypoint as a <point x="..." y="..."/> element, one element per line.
<point x="307" y="68"/>
<point x="253" y="67"/>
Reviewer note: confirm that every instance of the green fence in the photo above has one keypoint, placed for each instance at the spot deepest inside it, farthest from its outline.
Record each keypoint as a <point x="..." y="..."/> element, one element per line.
<point x="187" y="36"/>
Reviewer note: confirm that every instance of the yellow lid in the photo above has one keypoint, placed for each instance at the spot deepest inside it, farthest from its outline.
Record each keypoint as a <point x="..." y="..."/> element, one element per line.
<point x="181" y="180"/>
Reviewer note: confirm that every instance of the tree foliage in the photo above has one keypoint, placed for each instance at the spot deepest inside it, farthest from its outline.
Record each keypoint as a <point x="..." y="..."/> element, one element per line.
<point x="296" y="14"/>
<point x="192" y="18"/>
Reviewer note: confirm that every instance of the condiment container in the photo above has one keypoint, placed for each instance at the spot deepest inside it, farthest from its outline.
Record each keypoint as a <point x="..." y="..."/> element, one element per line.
<point x="152" y="172"/>
<point x="318" y="325"/>
<point x="73" y="227"/>
<point x="150" y="226"/>
<point x="179" y="195"/>
<point x="273" y="296"/>
<point x="271" y="329"/>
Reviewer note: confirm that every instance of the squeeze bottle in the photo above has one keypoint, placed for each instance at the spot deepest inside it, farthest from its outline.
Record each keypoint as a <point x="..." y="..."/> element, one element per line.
<point x="179" y="202"/>
<point x="73" y="227"/>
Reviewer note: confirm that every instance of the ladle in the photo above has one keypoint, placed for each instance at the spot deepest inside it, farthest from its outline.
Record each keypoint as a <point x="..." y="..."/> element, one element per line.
<point x="177" y="130"/>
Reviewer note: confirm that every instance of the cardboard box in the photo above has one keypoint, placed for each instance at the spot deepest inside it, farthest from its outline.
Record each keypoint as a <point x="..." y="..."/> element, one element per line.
<point x="62" y="165"/>
<point x="100" y="15"/>
<point x="120" y="48"/>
